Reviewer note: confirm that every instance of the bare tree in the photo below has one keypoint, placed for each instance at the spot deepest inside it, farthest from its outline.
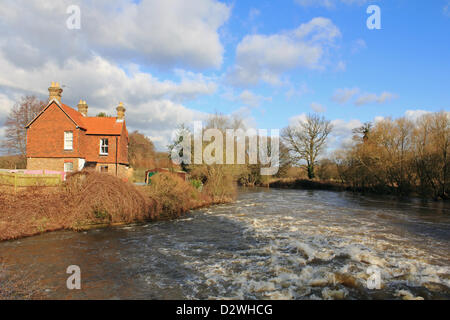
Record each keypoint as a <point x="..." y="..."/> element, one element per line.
<point x="402" y="155"/>
<point x="20" y="115"/>
<point x="141" y="151"/>
<point x="363" y="131"/>
<point x="306" y="139"/>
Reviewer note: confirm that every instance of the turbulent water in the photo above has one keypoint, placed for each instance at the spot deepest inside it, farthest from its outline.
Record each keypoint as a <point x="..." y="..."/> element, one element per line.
<point x="269" y="244"/>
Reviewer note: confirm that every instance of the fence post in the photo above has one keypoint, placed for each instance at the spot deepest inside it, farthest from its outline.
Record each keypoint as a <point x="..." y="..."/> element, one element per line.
<point x="15" y="182"/>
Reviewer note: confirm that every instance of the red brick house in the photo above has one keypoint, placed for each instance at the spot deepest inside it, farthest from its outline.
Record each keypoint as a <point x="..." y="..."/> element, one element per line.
<point x="63" y="139"/>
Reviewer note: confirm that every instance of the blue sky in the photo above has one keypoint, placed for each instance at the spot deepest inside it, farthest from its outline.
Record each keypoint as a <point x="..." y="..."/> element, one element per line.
<point x="270" y="62"/>
<point x="408" y="57"/>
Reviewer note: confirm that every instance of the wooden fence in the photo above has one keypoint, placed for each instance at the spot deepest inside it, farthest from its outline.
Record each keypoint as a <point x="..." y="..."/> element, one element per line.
<point x="29" y="180"/>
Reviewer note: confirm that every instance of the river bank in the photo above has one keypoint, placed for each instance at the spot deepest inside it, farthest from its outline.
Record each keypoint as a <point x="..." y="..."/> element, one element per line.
<point x="91" y="200"/>
<point x="307" y="184"/>
<point x="299" y="184"/>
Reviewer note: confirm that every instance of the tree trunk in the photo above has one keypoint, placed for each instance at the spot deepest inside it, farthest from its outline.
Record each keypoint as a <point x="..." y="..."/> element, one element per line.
<point x="311" y="171"/>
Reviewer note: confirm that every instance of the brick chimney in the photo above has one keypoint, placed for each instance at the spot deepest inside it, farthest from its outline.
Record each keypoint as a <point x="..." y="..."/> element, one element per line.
<point x="120" y="112"/>
<point x="55" y="92"/>
<point x="83" y="108"/>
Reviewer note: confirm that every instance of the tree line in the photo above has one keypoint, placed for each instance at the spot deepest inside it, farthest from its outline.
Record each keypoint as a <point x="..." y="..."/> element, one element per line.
<point x="403" y="156"/>
<point x="400" y="156"/>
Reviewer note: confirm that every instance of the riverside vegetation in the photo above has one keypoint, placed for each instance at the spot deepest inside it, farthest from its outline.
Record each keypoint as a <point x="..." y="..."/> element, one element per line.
<point x="92" y="199"/>
<point x="393" y="156"/>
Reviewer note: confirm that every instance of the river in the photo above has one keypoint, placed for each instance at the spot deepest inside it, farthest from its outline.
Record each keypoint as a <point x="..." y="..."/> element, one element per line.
<point x="269" y="244"/>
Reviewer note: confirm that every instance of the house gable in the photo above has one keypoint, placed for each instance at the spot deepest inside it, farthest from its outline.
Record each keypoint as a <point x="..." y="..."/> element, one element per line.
<point x="45" y="134"/>
<point x="68" y="111"/>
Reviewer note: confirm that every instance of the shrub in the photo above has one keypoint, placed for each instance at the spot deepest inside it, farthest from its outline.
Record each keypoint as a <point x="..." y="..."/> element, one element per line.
<point x="197" y="184"/>
<point x="92" y="198"/>
<point x="172" y="195"/>
<point x="219" y="183"/>
<point x="96" y="196"/>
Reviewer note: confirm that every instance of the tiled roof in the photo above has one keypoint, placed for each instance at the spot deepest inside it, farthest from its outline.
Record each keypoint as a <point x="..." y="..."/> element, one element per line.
<point x="95" y="125"/>
<point x="92" y="125"/>
<point x="74" y="115"/>
<point x="103" y="125"/>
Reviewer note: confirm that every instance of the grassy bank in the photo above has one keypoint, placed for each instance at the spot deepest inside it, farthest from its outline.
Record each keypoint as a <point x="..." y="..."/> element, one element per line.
<point x="90" y="199"/>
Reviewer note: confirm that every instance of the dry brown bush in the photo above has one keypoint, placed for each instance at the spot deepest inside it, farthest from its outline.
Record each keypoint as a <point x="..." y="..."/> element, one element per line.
<point x="173" y="195"/>
<point x="104" y="198"/>
<point x="85" y="198"/>
<point x="92" y="198"/>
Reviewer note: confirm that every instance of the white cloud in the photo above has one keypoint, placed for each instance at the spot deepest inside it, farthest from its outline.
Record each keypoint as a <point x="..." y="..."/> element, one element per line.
<point x="415" y="114"/>
<point x="341" y="66"/>
<point x="6" y="103"/>
<point x="246" y="97"/>
<point x="251" y="99"/>
<point x="344" y="95"/>
<point x="159" y="119"/>
<point x="446" y="9"/>
<point x="378" y="119"/>
<point x="298" y="91"/>
<point x="368" y="98"/>
<point x="328" y="3"/>
<point x="107" y="82"/>
<point x="266" y="57"/>
<point x="344" y="128"/>
<point x="317" y="107"/>
<point x="412" y="115"/>
<point x="298" y="118"/>
<point x="342" y="134"/>
<point x="253" y="14"/>
<point x="93" y="63"/>
<point x="153" y="106"/>
<point x="163" y="33"/>
<point x="358" y="45"/>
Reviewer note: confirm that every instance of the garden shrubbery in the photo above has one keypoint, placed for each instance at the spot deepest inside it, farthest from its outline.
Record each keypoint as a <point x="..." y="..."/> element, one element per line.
<point x="91" y="198"/>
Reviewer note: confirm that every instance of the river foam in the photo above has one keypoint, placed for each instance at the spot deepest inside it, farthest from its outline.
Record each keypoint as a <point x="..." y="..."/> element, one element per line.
<point x="310" y="251"/>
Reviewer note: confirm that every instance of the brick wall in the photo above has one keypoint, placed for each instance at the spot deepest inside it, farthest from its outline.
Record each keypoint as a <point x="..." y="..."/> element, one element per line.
<point x="123" y="146"/>
<point x="92" y="149"/>
<point x="56" y="164"/>
<point x="45" y="137"/>
<point x="122" y="170"/>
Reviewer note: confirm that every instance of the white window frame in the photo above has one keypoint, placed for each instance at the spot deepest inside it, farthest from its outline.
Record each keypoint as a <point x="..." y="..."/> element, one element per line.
<point x="68" y="140"/>
<point x="67" y="169"/>
<point x="103" y="145"/>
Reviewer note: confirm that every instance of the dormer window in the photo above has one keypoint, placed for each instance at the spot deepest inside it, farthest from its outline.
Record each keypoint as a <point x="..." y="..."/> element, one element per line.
<point x="68" y="140"/>
<point x="103" y="147"/>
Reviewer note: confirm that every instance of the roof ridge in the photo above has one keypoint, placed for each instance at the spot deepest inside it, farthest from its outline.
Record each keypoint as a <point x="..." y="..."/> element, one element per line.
<point x="92" y="125"/>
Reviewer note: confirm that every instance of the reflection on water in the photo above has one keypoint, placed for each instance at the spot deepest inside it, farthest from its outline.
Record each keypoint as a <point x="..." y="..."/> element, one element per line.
<point x="270" y="244"/>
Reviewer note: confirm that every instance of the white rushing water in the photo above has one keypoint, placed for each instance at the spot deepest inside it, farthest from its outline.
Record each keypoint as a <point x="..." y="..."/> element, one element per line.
<point x="305" y="248"/>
